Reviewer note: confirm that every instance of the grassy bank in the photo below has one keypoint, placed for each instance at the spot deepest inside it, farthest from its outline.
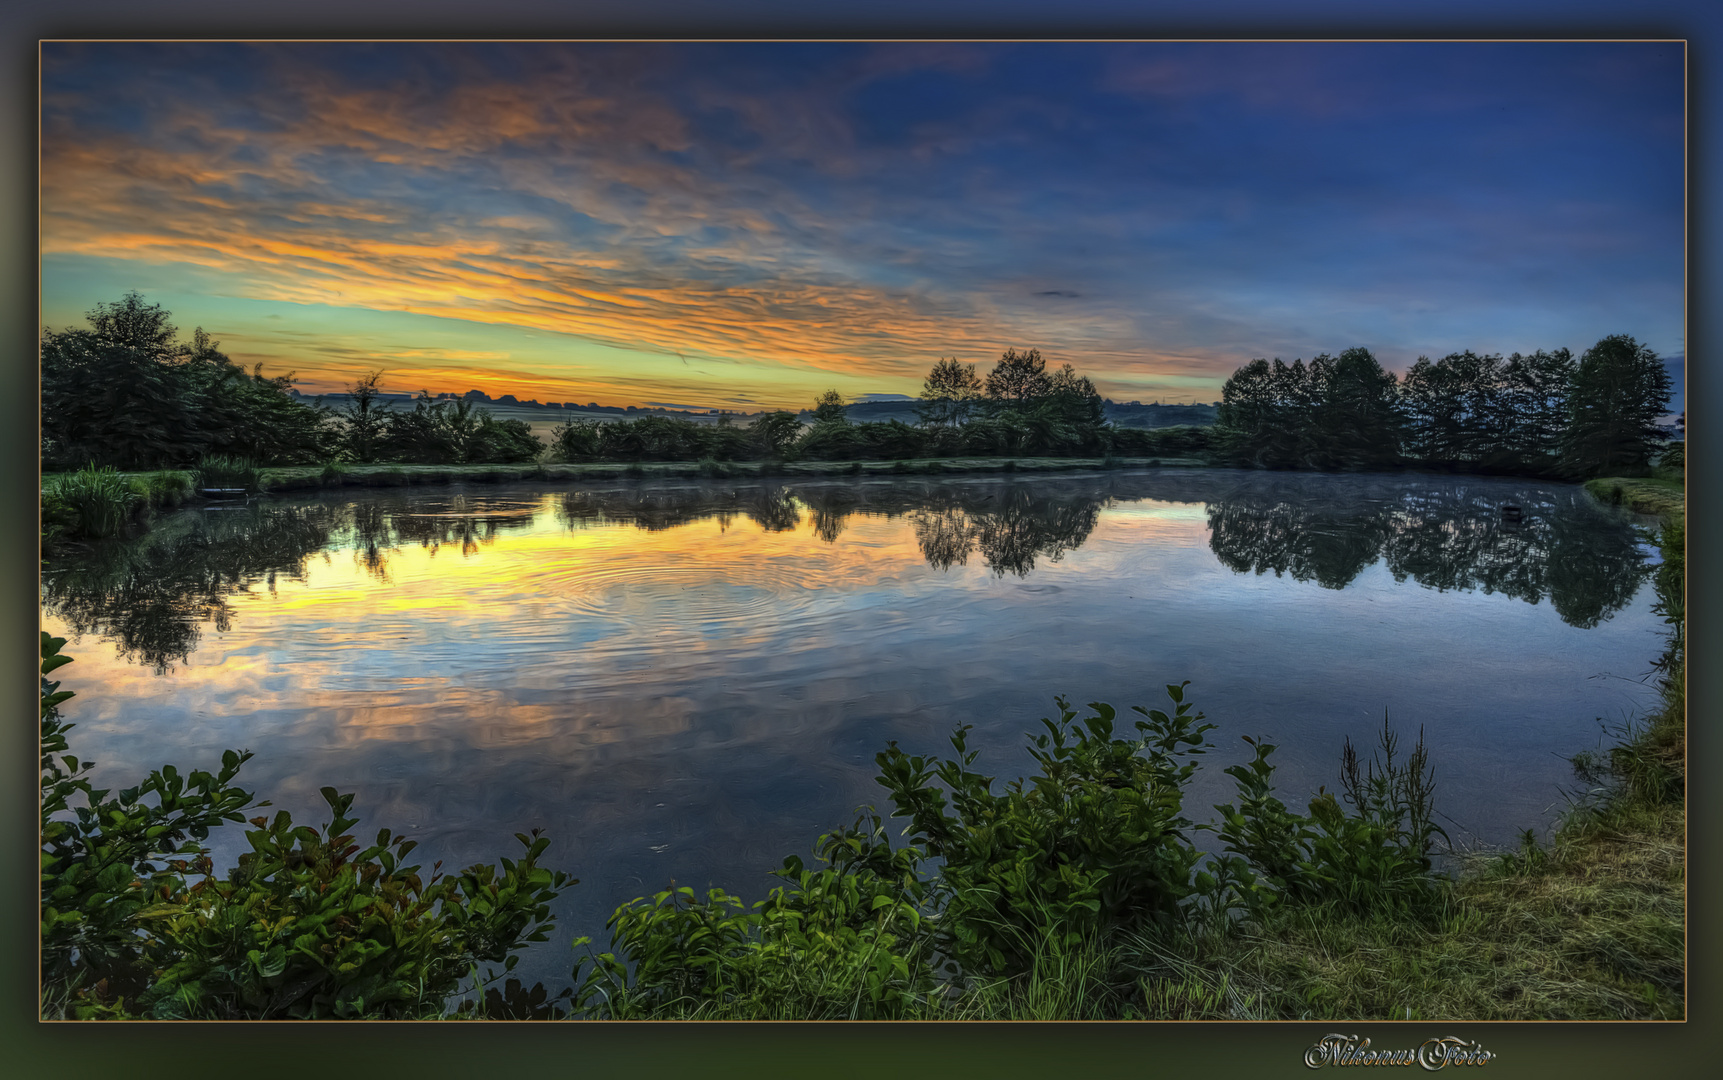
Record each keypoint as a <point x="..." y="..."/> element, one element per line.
<point x="93" y="503"/>
<point x="1586" y="925"/>
<point x="1660" y="495"/>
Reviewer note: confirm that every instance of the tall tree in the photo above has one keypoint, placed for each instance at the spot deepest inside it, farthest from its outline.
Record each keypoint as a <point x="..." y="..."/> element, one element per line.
<point x="1534" y="401"/>
<point x="366" y="421"/>
<point x="126" y="393"/>
<point x="1265" y="414"/>
<point x="949" y="393"/>
<point x="1454" y="408"/>
<point x="1619" y="391"/>
<point x="1018" y="378"/>
<point x="1355" y="411"/>
<point x="1074" y="398"/>
<point x="114" y="394"/>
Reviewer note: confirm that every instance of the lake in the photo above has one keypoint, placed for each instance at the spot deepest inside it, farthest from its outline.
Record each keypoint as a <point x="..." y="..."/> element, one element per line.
<point x="687" y="680"/>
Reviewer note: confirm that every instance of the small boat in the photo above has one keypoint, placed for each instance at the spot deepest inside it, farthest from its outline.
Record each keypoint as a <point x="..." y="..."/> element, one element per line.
<point x="222" y="493"/>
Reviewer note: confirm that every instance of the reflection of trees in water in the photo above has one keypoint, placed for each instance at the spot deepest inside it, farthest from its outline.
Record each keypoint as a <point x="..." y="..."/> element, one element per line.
<point x="1300" y="542"/>
<point x="772" y="507"/>
<point x="1011" y="536"/>
<point x="377" y="529"/>
<point x="1010" y="525"/>
<point x="946" y="537"/>
<point x="1446" y="537"/>
<point x="151" y="595"/>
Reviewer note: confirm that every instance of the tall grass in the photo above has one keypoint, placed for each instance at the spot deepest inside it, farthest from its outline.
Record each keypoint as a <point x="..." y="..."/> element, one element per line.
<point x="224" y="471"/>
<point x="91" y="503"/>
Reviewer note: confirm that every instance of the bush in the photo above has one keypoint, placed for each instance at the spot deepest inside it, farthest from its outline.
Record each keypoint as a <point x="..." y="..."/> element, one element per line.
<point x="309" y="924"/>
<point x="842" y="942"/>
<point x="223" y="471"/>
<point x="92" y="503"/>
<point x="452" y="433"/>
<point x="1023" y="895"/>
<point x="1096" y="842"/>
<point x="1374" y="860"/>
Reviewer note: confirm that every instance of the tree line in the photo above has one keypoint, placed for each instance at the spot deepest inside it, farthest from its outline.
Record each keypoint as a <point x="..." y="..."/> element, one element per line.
<point x="127" y="392"/>
<point x="1546" y="414"/>
<point x="1019" y="409"/>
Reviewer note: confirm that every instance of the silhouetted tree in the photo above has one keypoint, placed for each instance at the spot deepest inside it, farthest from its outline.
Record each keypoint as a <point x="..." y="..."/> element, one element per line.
<point x="364" y="419"/>
<point x="1619" y="391"/>
<point x="776" y="433"/>
<point x="1354" y="411"/>
<point x="829" y="408"/>
<point x="949" y="393"/>
<point x="1018" y="378"/>
<point x="126" y="393"/>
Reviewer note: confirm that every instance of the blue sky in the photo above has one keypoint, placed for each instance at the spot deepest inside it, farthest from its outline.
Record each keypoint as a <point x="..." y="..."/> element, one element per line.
<point x="747" y="225"/>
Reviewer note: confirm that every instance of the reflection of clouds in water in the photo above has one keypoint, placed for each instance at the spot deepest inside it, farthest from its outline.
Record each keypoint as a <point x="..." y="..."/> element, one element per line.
<point x="603" y="651"/>
<point x="673" y="690"/>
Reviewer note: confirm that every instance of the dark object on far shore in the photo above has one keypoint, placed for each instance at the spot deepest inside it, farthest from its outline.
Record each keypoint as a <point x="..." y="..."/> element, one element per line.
<point x="1512" y="512"/>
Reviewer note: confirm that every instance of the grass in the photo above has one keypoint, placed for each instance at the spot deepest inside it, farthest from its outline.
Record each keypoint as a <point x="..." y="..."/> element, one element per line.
<point x="223" y="471"/>
<point x="1662" y="494"/>
<point x="89" y="504"/>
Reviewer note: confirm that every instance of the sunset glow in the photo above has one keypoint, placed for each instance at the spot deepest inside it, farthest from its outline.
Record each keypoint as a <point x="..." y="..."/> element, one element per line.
<point x="744" y="226"/>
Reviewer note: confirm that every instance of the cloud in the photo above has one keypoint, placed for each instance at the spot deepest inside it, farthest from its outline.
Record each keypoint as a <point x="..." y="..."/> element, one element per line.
<point x="799" y="212"/>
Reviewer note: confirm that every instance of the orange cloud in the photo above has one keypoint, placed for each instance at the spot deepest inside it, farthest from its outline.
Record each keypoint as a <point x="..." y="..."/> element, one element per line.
<point x="686" y="266"/>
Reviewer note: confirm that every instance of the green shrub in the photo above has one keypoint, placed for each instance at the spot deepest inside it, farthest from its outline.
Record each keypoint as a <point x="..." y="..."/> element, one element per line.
<point x="313" y="924"/>
<point x="1096" y="842"/>
<point x="845" y="941"/>
<point x="309" y="924"/>
<point x="1375" y="859"/>
<point x="223" y="471"/>
<point x="92" y="503"/>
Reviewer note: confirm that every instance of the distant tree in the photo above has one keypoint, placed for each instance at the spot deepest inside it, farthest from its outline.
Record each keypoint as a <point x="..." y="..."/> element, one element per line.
<point x="830" y="407"/>
<point x="1018" y="378"/>
<point x="776" y="433"/>
<point x="125" y="392"/>
<point x="365" y="420"/>
<point x="1619" y="391"/>
<point x="456" y="433"/>
<point x="1264" y="418"/>
<point x="1355" y="411"/>
<point x="1336" y="412"/>
<point x="1074" y="398"/>
<point x="1247" y="405"/>
<point x="949" y="394"/>
<point x="1453" y="407"/>
<point x="1534" y="402"/>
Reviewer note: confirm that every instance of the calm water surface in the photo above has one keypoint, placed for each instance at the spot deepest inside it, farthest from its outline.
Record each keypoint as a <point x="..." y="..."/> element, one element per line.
<point x="688" y="680"/>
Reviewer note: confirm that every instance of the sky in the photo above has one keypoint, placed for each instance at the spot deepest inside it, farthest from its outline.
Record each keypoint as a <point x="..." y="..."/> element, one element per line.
<point x="746" y="225"/>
